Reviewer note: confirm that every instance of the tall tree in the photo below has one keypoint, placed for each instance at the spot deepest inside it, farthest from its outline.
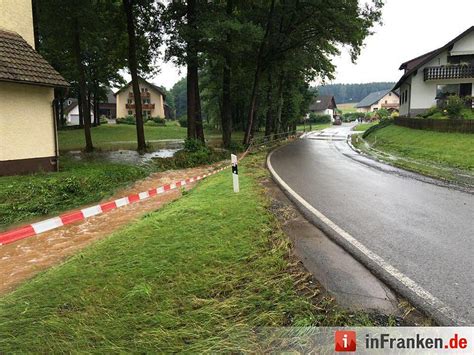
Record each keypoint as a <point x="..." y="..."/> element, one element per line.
<point x="133" y="67"/>
<point x="182" y="21"/>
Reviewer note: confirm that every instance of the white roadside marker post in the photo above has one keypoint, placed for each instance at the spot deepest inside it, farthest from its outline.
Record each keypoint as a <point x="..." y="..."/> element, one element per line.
<point x="235" y="172"/>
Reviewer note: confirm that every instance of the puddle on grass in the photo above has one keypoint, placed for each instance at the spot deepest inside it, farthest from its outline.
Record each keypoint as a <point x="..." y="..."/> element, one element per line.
<point x="125" y="156"/>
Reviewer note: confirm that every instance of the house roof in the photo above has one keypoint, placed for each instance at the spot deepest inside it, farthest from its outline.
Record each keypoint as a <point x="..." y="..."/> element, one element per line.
<point x="19" y="62"/>
<point x="373" y="98"/>
<point x="414" y="64"/>
<point x="322" y="102"/>
<point x="69" y="105"/>
<point x="157" y="88"/>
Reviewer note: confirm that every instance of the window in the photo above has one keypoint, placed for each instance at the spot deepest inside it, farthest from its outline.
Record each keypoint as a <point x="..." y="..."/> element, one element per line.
<point x="389" y="94"/>
<point x="130" y="113"/>
<point x="443" y="91"/>
<point x="146" y="101"/>
<point x="386" y="102"/>
<point x="130" y="101"/>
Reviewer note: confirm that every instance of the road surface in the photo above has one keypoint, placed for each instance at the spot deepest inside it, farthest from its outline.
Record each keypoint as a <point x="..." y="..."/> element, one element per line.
<point x="418" y="236"/>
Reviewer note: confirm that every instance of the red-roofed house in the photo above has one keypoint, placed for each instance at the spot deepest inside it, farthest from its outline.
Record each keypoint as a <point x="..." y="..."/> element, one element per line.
<point x="28" y="139"/>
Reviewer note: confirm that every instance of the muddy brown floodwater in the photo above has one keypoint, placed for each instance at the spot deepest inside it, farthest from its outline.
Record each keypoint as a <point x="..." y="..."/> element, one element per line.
<point x="23" y="259"/>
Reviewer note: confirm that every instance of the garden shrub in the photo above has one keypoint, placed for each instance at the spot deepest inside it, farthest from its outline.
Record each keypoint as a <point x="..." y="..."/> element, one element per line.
<point x="160" y="121"/>
<point x="352" y="116"/>
<point x="126" y="120"/>
<point x="314" y="118"/>
<point x="103" y="120"/>
<point x="183" y="121"/>
<point x="454" y="106"/>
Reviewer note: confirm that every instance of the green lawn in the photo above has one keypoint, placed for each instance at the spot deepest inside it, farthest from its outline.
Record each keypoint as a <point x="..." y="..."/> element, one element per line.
<point x="104" y="136"/>
<point x="447" y="150"/>
<point x="78" y="183"/>
<point x="122" y="136"/>
<point x="364" y="126"/>
<point x="347" y="107"/>
<point x="314" y="127"/>
<point x="197" y="275"/>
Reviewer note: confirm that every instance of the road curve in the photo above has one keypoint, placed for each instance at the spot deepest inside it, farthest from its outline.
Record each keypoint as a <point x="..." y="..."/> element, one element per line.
<point x="422" y="231"/>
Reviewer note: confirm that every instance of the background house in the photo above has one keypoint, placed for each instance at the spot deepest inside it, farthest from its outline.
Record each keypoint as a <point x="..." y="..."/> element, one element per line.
<point x="324" y="105"/>
<point x="108" y="108"/>
<point x="28" y="139"/>
<point x="153" y="99"/>
<point x="433" y="75"/>
<point x="377" y="100"/>
<point x="71" y="112"/>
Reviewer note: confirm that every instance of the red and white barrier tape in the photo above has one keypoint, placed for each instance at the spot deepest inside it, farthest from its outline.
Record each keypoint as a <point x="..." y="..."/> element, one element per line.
<point x="80" y="215"/>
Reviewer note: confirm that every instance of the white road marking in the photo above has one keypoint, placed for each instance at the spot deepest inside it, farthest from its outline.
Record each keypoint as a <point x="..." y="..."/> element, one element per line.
<point x="402" y="278"/>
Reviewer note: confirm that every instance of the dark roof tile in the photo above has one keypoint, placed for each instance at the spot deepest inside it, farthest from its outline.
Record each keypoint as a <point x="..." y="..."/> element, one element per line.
<point x="19" y="62"/>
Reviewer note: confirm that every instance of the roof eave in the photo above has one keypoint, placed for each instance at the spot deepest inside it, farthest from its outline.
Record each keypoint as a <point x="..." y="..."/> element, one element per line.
<point x="65" y="86"/>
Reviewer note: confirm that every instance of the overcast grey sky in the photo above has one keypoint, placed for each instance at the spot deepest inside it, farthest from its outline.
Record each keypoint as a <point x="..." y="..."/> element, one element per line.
<point x="410" y="28"/>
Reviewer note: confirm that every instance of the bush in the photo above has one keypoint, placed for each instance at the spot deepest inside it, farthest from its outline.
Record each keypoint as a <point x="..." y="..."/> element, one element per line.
<point x="183" y="121"/>
<point x="151" y="123"/>
<point x="126" y="120"/>
<point x="382" y="114"/>
<point x="236" y="147"/>
<point x="103" y="120"/>
<point x="454" y="106"/>
<point x="185" y="159"/>
<point x="314" y="118"/>
<point x="352" y="116"/>
<point x="193" y="145"/>
<point x="160" y="121"/>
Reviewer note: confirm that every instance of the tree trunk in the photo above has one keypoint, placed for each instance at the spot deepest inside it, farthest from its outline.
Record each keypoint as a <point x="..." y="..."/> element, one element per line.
<point x="195" y="128"/>
<point x="35" y="13"/>
<point x="226" y="111"/>
<point x="61" y="110"/>
<point x="199" y="124"/>
<point x="256" y="80"/>
<point x="277" y="121"/>
<point x="269" y="118"/>
<point x="191" y="103"/>
<point x="133" y="67"/>
<point x="82" y="88"/>
<point x="81" y="113"/>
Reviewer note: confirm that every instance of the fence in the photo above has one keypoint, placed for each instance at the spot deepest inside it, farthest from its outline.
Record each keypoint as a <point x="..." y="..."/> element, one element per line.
<point x="439" y="125"/>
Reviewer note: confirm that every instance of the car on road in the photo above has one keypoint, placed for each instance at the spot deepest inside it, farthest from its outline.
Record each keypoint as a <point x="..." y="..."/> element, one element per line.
<point x="337" y="121"/>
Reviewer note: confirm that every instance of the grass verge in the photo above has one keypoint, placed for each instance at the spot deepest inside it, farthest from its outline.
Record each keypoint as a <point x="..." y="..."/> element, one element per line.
<point x="448" y="156"/>
<point x="314" y="127"/>
<point x="198" y="275"/>
<point x="364" y="126"/>
<point x="77" y="184"/>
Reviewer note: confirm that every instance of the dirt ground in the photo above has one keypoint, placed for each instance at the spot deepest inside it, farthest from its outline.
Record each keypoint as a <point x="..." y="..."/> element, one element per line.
<point x="21" y="260"/>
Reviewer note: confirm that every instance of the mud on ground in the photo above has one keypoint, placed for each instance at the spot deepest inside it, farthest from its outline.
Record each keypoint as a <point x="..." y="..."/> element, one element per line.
<point x="21" y="260"/>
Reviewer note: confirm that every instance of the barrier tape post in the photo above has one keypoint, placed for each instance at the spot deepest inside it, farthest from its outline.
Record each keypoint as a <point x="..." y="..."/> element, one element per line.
<point x="235" y="172"/>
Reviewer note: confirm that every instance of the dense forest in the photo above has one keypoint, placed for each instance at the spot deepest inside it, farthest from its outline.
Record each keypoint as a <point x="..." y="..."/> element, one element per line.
<point x="248" y="63"/>
<point x="345" y="93"/>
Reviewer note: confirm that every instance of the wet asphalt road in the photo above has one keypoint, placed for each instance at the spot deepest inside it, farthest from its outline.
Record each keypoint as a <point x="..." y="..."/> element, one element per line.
<point x="423" y="230"/>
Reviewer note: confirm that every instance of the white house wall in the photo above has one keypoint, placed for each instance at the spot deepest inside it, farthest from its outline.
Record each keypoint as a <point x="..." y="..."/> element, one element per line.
<point x="27" y="131"/>
<point x="464" y="46"/>
<point x="423" y="93"/>
<point x="72" y="117"/>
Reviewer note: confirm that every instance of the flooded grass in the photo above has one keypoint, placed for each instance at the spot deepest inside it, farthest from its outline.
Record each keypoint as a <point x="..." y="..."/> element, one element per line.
<point x="198" y="275"/>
